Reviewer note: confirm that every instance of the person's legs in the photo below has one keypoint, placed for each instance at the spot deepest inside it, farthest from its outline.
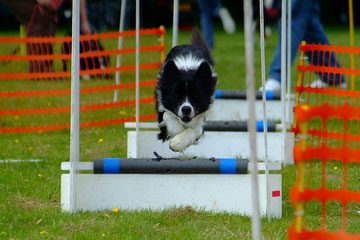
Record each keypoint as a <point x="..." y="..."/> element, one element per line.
<point x="39" y="21"/>
<point x="96" y="14"/>
<point x="218" y="11"/>
<point x="210" y="9"/>
<point x="315" y="33"/>
<point x="112" y="7"/>
<point x="300" y="16"/>
<point x="42" y="23"/>
<point x="227" y="21"/>
<point x="206" y="14"/>
<point x="21" y="9"/>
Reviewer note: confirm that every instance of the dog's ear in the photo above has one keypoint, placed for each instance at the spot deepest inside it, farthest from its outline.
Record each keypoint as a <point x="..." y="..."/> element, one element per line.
<point x="170" y="69"/>
<point x="204" y="71"/>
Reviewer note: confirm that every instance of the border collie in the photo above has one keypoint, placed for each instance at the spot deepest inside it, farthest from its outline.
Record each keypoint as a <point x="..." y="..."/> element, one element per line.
<point x="185" y="93"/>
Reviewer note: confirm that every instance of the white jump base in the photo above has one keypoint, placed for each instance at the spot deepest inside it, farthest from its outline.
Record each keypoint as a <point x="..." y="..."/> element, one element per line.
<point x="213" y="144"/>
<point x="235" y="109"/>
<point x="208" y="192"/>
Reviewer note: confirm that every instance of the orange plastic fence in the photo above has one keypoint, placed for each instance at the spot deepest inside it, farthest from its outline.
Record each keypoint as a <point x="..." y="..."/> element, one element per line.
<point x="35" y="87"/>
<point x="326" y="195"/>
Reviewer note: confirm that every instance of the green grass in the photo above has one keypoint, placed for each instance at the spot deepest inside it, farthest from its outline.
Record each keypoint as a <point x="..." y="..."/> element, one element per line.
<point x="30" y="192"/>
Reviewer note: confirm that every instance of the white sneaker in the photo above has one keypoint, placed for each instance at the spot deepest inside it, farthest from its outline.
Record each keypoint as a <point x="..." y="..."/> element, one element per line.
<point x="320" y="84"/>
<point x="271" y="85"/>
<point x="267" y="31"/>
<point x="227" y="21"/>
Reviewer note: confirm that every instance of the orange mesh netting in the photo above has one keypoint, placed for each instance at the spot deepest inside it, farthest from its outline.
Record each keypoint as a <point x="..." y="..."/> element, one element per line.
<point x="35" y="80"/>
<point x="326" y="195"/>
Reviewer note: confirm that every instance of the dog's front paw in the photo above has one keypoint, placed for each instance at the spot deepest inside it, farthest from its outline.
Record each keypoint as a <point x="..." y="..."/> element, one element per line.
<point x="178" y="143"/>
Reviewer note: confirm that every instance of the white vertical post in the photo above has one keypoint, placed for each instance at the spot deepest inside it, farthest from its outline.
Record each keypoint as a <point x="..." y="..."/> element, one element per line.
<point x="137" y="75"/>
<point x="289" y="46"/>
<point x="75" y="103"/>
<point x="120" y="46"/>
<point x="175" y="23"/>
<point x="283" y="77"/>
<point x="262" y="53"/>
<point x="250" y="83"/>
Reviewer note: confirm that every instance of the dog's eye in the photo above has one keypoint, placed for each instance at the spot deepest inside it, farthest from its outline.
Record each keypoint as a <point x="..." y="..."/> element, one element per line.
<point x="177" y="95"/>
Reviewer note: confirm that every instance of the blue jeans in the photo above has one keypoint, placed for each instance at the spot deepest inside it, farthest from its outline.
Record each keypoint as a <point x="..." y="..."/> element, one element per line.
<point x="105" y="14"/>
<point x="306" y="26"/>
<point x="208" y="10"/>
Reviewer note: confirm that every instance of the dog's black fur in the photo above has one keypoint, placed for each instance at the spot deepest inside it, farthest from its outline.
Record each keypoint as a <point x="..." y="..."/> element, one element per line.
<point x="185" y="92"/>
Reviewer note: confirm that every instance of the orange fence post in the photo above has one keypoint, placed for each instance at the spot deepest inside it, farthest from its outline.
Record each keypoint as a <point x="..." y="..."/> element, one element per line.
<point x="299" y="206"/>
<point x="300" y="78"/>
<point x="22" y="35"/>
<point x="352" y="41"/>
<point x="162" y="44"/>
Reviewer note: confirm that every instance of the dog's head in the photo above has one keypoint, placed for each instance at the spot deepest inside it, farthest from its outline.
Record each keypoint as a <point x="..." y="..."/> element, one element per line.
<point x="187" y="87"/>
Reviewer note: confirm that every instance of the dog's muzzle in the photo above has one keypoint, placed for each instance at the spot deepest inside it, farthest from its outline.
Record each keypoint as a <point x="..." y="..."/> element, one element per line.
<point x="186" y="114"/>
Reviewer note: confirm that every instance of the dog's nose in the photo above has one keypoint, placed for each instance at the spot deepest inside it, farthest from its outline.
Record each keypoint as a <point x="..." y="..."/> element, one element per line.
<point x="186" y="110"/>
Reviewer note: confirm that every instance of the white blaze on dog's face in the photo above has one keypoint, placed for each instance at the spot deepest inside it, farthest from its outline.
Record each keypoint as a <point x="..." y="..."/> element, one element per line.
<point x="187" y="87"/>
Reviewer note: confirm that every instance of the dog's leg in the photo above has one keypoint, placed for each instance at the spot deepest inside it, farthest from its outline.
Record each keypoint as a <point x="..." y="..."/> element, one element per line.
<point x="174" y="127"/>
<point x="186" y="138"/>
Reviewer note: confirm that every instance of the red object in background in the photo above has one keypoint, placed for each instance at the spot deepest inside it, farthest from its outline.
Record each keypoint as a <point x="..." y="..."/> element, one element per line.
<point x="272" y="12"/>
<point x="276" y="193"/>
<point x="186" y="28"/>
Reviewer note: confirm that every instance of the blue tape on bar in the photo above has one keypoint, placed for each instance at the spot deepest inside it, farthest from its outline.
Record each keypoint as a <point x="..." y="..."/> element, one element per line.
<point x="260" y="126"/>
<point x="218" y="94"/>
<point x="111" y="165"/>
<point x="269" y="95"/>
<point x="228" y="166"/>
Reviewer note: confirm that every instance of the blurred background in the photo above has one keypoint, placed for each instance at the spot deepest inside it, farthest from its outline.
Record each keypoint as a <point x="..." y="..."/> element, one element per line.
<point x="159" y="12"/>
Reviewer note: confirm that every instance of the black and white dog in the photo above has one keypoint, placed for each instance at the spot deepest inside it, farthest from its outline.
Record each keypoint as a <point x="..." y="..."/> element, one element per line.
<point x="185" y="93"/>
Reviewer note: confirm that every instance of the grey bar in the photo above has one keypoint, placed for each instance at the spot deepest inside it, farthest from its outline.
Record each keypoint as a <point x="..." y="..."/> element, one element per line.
<point x="236" y="94"/>
<point x="241" y="126"/>
<point x="174" y="166"/>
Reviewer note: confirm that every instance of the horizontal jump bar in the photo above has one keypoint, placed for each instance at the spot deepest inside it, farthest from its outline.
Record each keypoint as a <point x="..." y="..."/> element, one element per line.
<point x="171" y="166"/>
<point x="218" y="126"/>
<point x="238" y="126"/>
<point x="236" y="94"/>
